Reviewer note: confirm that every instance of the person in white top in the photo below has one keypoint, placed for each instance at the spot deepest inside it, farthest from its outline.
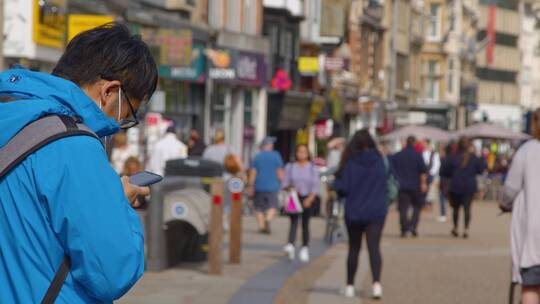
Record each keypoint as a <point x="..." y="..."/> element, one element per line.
<point x="167" y="148"/>
<point x="522" y="197"/>
<point x="433" y="165"/>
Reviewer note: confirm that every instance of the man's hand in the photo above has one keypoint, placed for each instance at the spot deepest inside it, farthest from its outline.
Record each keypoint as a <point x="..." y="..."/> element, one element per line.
<point x="132" y="191"/>
<point x="308" y="202"/>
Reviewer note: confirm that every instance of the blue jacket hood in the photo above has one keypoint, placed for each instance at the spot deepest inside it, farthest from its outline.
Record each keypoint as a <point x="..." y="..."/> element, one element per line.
<point x="43" y="94"/>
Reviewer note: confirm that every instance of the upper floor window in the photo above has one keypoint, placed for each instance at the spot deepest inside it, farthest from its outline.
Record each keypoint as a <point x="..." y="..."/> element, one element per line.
<point x="434" y="29"/>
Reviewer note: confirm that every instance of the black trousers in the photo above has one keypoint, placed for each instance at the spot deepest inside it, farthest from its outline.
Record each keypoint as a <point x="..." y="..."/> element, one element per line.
<point x="373" y="233"/>
<point x="305" y="215"/>
<point x="457" y="201"/>
<point x="406" y="200"/>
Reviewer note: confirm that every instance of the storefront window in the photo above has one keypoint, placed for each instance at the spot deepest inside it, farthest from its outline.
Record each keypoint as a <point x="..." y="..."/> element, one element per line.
<point x="248" y="108"/>
<point x="219" y="107"/>
<point x="176" y="95"/>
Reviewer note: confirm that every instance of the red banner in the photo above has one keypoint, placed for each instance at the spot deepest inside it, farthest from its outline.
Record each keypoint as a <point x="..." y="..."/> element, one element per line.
<point x="490" y="48"/>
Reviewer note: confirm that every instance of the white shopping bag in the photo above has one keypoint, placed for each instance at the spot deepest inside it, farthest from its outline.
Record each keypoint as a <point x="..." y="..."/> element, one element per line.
<point x="293" y="204"/>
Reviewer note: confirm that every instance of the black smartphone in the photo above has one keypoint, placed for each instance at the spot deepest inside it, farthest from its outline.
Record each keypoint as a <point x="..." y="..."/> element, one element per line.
<point x="145" y="178"/>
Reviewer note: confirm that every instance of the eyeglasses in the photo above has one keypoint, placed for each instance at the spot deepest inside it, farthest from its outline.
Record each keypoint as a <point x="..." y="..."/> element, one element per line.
<point x="130" y="121"/>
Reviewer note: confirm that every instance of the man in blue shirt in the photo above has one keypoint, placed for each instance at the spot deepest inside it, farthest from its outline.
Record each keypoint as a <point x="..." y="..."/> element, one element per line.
<point x="265" y="179"/>
<point x="412" y="174"/>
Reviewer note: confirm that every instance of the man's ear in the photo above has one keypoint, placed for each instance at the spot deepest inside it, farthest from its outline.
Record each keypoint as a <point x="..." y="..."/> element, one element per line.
<point x="108" y="92"/>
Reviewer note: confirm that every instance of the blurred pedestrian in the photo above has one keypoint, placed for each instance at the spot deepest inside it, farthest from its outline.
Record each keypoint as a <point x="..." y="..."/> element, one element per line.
<point x="65" y="213"/>
<point x="412" y="175"/>
<point x="462" y="169"/>
<point x="264" y="183"/>
<point x="433" y="164"/>
<point x="121" y="152"/>
<point x="217" y="151"/>
<point x="522" y="197"/>
<point x="167" y="148"/>
<point x="196" y="145"/>
<point x="303" y="176"/>
<point x="361" y="178"/>
<point x="444" y="152"/>
<point x="335" y="149"/>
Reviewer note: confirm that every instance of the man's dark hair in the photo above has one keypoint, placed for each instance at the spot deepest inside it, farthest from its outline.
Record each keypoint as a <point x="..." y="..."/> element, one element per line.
<point x="411" y="140"/>
<point x="110" y="52"/>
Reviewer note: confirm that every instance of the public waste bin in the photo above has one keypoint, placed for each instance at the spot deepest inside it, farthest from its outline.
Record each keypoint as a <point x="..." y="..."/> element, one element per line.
<point x="179" y="213"/>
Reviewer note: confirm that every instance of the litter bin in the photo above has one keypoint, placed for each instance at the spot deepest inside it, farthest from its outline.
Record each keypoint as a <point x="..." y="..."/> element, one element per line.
<point x="179" y="213"/>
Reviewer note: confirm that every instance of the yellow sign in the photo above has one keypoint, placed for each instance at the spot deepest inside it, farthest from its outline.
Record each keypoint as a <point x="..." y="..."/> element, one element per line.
<point x="80" y="23"/>
<point x="308" y="65"/>
<point x="49" y="22"/>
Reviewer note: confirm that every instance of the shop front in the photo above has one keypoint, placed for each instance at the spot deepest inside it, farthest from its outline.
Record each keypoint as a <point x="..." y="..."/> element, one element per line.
<point x="181" y="65"/>
<point x="238" y="96"/>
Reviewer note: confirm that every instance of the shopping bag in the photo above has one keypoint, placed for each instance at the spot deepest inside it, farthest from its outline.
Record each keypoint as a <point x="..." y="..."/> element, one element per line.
<point x="293" y="204"/>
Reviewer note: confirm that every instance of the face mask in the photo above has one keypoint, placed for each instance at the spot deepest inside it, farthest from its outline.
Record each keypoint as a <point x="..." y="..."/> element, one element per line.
<point x="119" y="103"/>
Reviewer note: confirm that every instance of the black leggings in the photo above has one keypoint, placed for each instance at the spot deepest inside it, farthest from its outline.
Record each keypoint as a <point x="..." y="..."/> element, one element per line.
<point x="373" y="234"/>
<point x="306" y="215"/>
<point x="457" y="201"/>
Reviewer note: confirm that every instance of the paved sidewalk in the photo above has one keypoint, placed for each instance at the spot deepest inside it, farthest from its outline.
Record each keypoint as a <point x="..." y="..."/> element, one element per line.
<point x="261" y="274"/>
<point x="435" y="268"/>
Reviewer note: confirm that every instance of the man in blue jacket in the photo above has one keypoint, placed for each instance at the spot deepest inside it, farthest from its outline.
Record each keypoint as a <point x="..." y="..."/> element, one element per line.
<point x="65" y="199"/>
<point x="412" y="175"/>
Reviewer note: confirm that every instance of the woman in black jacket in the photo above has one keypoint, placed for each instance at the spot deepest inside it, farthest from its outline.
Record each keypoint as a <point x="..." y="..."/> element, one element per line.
<point x="361" y="179"/>
<point x="461" y="169"/>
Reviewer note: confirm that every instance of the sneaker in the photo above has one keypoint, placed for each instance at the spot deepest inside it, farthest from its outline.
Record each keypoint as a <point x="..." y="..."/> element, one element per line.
<point x="466" y="234"/>
<point x="414" y="234"/>
<point x="304" y="254"/>
<point x="454" y="233"/>
<point x="289" y="251"/>
<point x="441" y="219"/>
<point x="377" y="290"/>
<point x="348" y="291"/>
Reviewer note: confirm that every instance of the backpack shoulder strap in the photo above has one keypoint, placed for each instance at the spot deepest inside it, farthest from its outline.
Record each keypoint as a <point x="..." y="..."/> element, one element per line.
<point x="27" y="141"/>
<point x="37" y="135"/>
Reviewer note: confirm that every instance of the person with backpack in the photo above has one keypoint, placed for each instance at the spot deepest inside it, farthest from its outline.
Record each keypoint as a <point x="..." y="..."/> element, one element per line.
<point x="521" y="196"/>
<point x="461" y="170"/>
<point x="301" y="176"/>
<point x="362" y="179"/>
<point x="69" y="233"/>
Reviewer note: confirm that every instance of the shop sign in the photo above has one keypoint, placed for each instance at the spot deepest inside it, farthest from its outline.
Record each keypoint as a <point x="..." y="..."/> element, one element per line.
<point x="221" y="65"/>
<point x="49" y="23"/>
<point x="232" y="66"/>
<point x="335" y="64"/>
<point x="308" y="66"/>
<point x="175" y="47"/>
<point x="281" y="81"/>
<point x="80" y="23"/>
<point x="192" y="72"/>
<point x="250" y="69"/>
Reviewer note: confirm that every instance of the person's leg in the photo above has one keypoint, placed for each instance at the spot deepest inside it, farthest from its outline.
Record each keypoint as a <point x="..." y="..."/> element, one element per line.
<point x="355" y="242"/>
<point x="306" y="215"/>
<point x="373" y="236"/>
<point x="442" y="202"/>
<point x="530" y="295"/>
<point x="293" y="228"/>
<point x="467" y="203"/>
<point x="272" y="206"/>
<point x="403" y="206"/>
<point x="455" y="202"/>
<point x="258" y="202"/>
<point x="417" y="204"/>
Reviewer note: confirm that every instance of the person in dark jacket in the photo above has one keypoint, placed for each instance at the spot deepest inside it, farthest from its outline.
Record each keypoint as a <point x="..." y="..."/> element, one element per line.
<point x="461" y="169"/>
<point x="412" y="175"/>
<point x="361" y="179"/>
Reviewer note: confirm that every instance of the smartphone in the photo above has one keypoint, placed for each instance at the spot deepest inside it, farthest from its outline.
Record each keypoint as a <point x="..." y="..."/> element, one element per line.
<point x="145" y="178"/>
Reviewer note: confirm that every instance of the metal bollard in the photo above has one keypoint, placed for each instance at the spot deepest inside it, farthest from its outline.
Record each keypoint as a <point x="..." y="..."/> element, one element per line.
<point x="235" y="245"/>
<point x="215" y="250"/>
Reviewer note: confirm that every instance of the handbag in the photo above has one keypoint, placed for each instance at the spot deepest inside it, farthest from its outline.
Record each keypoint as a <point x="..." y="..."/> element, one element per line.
<point x="293" y="204"/>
